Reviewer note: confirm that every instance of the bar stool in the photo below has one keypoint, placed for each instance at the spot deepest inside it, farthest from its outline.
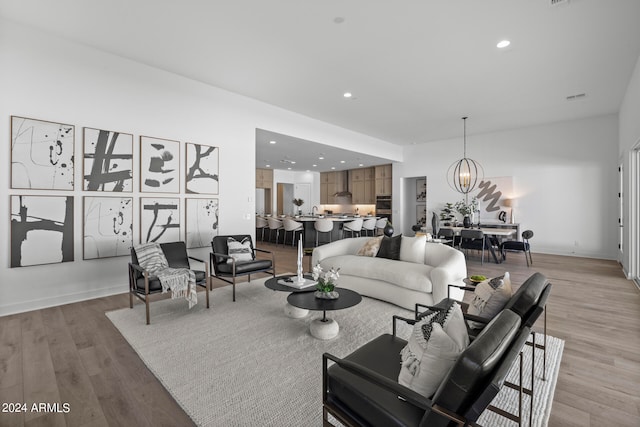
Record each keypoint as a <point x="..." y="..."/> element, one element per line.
<point x="261" y="224"/>
<point x="274" y="225"/>
<point x="293" y="227"/>
<point x="380" y="225"/>
<point x="323" y="225"/>
<point x="369" y="225"/>
<point x="352" y="226"/>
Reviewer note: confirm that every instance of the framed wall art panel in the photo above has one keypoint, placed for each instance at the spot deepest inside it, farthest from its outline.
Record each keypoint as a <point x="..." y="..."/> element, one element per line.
<point x="159" y="165"/>
<point x="201" y="224"/>
<point x="202" y="169"/>
<point x="107" y="226"/>
<point x="41" y="230"/>
<point x="108" y="161"/>
<point x="159" y="219"/>
<point x="42" y="154"/>
<point x="421" y="190"/>
<point x="421" y="214"/>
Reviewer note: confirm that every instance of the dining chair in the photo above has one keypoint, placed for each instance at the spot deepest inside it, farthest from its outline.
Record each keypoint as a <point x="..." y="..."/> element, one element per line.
<point x="473" y="239"/>
<point x="291" y="226"/>
<point x="323" y="225"/>
<point x="514" y="245"/>
<point x="353" y="227"/>
<point x="448" y="235"/>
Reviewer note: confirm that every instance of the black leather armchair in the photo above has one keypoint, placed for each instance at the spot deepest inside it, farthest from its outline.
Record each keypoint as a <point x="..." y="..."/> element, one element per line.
<point x="141" y="284"/>
<point x="362" y="388"/>
<point x="229" y="271"/>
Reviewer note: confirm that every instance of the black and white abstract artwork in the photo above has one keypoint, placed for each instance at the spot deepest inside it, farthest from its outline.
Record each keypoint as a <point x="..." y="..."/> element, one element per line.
<point x="202" y="169"/>
<point x="202" y="222"/>
<point x="159" y="165"/>
<point x="159" y="219"/>
<point x="42" y="154"/>
<point x="421" y="214"/>
<point x="492" y="194"/>
<point x="41" y="230"/>
<point x="108" y="226"/>
<point x="108" y="161"/>
<point x="421" y="190"/>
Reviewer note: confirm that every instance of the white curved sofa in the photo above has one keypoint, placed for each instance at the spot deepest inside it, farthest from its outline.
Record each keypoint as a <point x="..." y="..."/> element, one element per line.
<point x="422" y="274"/>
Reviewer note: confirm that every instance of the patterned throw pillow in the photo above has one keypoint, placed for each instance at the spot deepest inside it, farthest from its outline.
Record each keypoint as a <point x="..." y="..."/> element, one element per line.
<point x="435" y="344"/>
<point x="489" y="298"/>
<point x="240" y="251"/>
<point x="371" y="246"/>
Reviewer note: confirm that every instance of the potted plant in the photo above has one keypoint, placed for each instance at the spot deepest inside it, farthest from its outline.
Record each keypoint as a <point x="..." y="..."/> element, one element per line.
<point x="325" y="289"/>
<point x="446" y="214"/>
<point x="467" y="210"/>
<point x="298" y="203"/>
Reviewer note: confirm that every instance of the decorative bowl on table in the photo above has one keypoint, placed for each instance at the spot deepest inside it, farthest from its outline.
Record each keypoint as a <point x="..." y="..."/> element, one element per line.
<point x="477" y="279"/>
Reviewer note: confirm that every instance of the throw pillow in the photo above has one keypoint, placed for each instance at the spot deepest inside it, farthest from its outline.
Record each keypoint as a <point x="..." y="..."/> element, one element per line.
<point x="412" y="249"/>
<point x="390" y="247"/>
<point x="489" y="298"/>
<point x="433" y="347"/>
<point x="371" y="247"/>
<point x="240" y="251"/>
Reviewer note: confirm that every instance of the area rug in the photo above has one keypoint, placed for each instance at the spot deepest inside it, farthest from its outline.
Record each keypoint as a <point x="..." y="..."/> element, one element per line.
<point x="247" y="364"/>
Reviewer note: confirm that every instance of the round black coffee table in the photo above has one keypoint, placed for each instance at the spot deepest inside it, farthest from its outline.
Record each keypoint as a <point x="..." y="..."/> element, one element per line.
<point x="290" y="310"/>
<point x="324" y="328"/>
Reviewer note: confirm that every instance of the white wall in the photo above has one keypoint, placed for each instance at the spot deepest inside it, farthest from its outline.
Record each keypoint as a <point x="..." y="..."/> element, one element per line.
<point x="293" y="177"/>
<point x="45" y="77"/>
<point x="564" y="176"/>
<point x="629" y="122"/>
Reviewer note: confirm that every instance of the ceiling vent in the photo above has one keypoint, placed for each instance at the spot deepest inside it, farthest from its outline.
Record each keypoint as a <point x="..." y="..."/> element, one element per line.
<point x="576" y="97"/>
<point x="558" y="2"/>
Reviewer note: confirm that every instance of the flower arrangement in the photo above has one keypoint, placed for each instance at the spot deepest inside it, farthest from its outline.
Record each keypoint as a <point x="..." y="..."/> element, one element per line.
<point x="466" y="209"/>
<point x="326" y="279"/>
<point x="298" y="202"/>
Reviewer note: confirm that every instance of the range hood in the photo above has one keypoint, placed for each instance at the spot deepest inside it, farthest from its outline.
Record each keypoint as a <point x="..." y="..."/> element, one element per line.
<point x="344" y="193"/>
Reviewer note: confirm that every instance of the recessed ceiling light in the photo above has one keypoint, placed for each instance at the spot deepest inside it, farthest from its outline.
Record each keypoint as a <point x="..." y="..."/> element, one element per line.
<point x="315" y="166"/>
<point x="333" y="167"/>
<point x="267" y="166"/>
<point x="503" y="43"/>
<point x="292" y="162"/>
<point x="272" y="142"/>
<point x="347" y="95"/>
<point x="308" y="170"/>
<point x="342" y="161"/>
<point x="320" y="158"/>
<point x="361" y="165"/>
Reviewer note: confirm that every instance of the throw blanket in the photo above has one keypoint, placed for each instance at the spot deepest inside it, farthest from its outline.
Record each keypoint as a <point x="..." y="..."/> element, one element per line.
<point x="181" y="281"/>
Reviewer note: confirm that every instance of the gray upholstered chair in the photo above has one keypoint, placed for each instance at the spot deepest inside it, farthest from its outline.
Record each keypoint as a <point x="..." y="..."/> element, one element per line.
<point x="227" y="269"/>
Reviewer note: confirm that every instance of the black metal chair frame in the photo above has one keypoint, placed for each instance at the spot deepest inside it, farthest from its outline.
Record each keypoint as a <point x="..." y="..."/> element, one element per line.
<point x="138" y="293"/>
<point x="523" y="246"/>
<point x="233" y="275"/>
<point x="483" y="400"/>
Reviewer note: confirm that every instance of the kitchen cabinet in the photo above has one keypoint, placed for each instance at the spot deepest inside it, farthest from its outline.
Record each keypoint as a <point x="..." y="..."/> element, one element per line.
<point x="264" y="178"/>
<point x="362" y="186"/>
<point x="330" y="184"/>
<point x="384" y="180"/>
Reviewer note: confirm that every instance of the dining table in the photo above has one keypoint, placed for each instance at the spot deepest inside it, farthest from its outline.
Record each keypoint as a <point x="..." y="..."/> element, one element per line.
<point x="488" y="233"/>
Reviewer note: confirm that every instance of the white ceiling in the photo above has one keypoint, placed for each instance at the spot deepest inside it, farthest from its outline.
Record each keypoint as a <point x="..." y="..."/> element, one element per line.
<point x="415" y="67"/>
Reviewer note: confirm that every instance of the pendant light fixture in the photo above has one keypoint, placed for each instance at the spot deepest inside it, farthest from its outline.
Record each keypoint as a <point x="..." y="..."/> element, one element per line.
<point x="465" y="174"/>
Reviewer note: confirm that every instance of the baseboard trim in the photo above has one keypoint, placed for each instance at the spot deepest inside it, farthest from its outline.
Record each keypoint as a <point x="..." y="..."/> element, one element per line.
<point x="31" y="305"/>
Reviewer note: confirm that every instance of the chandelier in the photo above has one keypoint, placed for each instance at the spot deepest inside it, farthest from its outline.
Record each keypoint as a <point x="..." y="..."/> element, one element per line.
<point x="465" y="174"/>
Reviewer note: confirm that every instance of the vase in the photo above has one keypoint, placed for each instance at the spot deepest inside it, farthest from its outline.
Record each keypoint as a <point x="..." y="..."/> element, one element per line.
<point x="388" y="230"/>
<point x="299" y="211"/>
<point x="466" y="221"/>
<point x="327" y="295"/>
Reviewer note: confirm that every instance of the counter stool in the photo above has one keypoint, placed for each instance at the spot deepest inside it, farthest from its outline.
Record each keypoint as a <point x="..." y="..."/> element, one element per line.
<point x="261" y="224"/>
<point x="352" y="226"/>
<point x="293" y="227"/>
<point x="323" y="225"/>
<point x="369" y="226"/>
<point x="274" y="225"/>
<point x="380" y="225"/>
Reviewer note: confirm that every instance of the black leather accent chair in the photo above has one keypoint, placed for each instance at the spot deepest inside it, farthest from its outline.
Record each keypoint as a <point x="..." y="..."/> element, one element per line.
<point x="141" y="284"/>
<point x="229" y="271"/>
<point x="362" y="389"/>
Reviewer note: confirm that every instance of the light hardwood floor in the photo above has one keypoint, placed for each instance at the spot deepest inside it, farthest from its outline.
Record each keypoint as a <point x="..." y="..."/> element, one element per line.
<point x="73" y="354"/>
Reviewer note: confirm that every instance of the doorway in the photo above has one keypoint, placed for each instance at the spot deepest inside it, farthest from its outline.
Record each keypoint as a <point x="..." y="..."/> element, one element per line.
<point x="284" y="204"/>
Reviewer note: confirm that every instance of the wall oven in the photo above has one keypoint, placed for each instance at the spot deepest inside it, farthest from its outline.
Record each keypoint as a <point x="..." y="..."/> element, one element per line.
<point x="383" y="207"/>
